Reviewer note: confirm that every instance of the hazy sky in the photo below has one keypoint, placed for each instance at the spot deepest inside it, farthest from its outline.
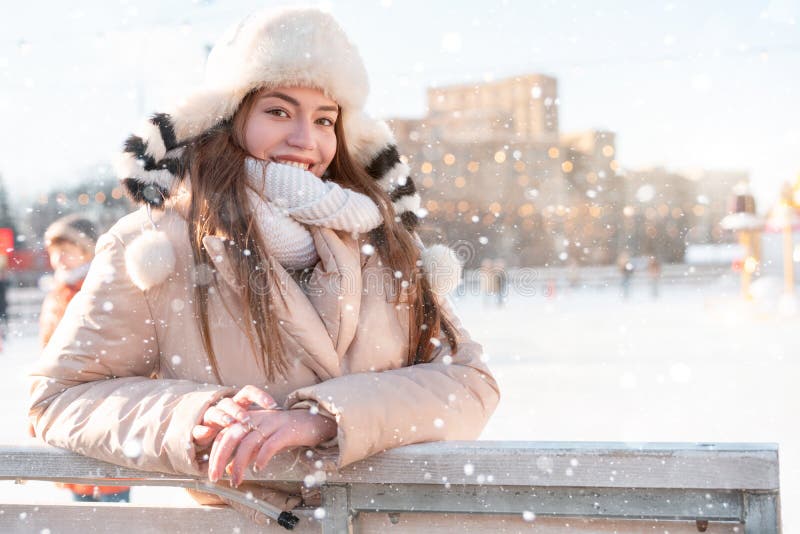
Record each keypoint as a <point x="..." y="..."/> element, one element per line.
<point x="684" y="84"/>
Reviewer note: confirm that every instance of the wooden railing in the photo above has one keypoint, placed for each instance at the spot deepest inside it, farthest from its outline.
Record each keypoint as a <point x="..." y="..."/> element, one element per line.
<point x="448" y="487"/>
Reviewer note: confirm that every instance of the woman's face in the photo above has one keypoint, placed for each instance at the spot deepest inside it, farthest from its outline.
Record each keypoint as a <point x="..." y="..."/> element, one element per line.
<point x="292" y="125"/>
<point x="67" y="256"/>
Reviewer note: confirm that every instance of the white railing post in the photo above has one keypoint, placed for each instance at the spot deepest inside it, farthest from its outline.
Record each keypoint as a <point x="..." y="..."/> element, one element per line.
<point x="761" y="514"/>
<point x="336" y="503"/>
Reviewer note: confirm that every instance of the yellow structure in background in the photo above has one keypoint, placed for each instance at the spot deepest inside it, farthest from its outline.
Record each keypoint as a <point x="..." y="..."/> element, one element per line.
<point x="785" y="216"/>
<point x="743" y="220"/>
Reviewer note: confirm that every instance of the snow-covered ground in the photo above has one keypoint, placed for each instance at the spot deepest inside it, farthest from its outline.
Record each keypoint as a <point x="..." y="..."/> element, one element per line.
<point x="694" y="365"/>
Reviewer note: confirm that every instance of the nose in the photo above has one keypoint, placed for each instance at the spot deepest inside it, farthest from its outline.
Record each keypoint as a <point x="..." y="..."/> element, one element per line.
<point x="301" y="135"/>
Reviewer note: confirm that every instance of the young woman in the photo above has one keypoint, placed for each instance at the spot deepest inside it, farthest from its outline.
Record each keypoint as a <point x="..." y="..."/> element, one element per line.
<point x="197" y="345"/>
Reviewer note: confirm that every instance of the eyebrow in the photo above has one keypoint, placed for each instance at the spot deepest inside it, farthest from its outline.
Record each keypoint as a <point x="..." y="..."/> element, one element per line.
<point x="296" y="102"/>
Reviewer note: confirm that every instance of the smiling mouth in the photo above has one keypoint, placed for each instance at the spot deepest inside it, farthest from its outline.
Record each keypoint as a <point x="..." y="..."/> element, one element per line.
<point x="297" y="164"/>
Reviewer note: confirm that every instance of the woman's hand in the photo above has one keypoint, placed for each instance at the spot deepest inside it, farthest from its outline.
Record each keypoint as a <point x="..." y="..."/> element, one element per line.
<point x="268" y="433"/>
<point x="228" y="411"/>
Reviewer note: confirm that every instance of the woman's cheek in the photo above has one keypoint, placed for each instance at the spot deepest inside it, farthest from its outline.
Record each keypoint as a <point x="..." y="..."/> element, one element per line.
<point x="330" y="149"/>
<point x="259" y="136"/>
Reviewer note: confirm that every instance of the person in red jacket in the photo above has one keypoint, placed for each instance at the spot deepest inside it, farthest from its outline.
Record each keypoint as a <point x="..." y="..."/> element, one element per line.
<point x="70" y="243"/>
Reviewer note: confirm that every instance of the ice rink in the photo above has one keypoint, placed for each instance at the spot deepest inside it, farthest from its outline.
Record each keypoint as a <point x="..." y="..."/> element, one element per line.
<point x="694" y="365"/>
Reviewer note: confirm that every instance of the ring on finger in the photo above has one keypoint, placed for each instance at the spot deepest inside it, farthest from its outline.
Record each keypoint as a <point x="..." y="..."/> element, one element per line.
<point x="255" y="428"/>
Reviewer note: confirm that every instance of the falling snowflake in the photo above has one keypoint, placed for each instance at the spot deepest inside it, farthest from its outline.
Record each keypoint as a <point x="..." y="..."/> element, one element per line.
<point x="132" y="448"/>
<point x="528" y="516"/>
<point x="645" y="193"/>
<point x="544" y="463"/>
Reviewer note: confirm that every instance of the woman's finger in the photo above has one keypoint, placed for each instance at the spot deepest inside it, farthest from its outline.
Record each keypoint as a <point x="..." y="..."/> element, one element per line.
<point x="203" y="436"/>
<point x="244" y="455"/>
<point x="269" y="448"/>
<point x="222" y="449"/>
<point x="254" y="395"/>
<point x="234" y="410"/>
<point x="216" y="417"/>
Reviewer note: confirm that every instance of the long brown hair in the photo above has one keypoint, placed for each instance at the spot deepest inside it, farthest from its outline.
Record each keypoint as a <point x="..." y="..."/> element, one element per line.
<point x="220" y="206"/>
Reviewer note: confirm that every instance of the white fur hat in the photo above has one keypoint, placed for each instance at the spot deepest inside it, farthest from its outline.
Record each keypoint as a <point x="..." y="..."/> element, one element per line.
<point x="290" y="47"/>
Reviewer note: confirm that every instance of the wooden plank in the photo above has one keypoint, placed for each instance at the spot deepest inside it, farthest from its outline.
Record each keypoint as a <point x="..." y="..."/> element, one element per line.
<point x="710" y="466"/>
<point x="336" y="506"/>
<point x="421" y="523"/>
<point x="761" y="514"/>
<point x="575" y="502"/>
<point x="80" y="518"/>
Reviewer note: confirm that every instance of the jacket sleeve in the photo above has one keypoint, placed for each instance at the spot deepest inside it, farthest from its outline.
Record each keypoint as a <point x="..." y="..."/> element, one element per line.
<point x="49" y="316"/>
<point x="92" y="390"/>
<point x="449" y="398"/>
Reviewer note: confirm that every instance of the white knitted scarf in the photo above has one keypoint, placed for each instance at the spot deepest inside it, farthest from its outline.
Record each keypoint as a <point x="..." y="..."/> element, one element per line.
<point x="287" y="199"/>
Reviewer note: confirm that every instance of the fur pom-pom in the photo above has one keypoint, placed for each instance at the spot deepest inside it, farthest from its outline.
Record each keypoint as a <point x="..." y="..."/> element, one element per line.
<point x="150" y="259"/>
<point x="442" y="268"/>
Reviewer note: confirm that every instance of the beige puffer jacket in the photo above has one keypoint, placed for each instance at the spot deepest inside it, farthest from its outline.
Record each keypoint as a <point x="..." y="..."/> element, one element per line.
<point x="125" y="376"/>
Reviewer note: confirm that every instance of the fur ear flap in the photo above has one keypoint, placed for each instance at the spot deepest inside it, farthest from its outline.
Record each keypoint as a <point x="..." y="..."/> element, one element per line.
<point x="442" y="267"/>
<point x="150" y="259"/>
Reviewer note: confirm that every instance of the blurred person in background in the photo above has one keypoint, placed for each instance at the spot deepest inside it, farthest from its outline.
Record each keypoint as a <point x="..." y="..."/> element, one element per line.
<point x="501" y="283"/>
<point x="626" y="269"/>
<point x="3" y="298"/>
<point x="654" y="271"/>
<point x="70" y="243"/>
